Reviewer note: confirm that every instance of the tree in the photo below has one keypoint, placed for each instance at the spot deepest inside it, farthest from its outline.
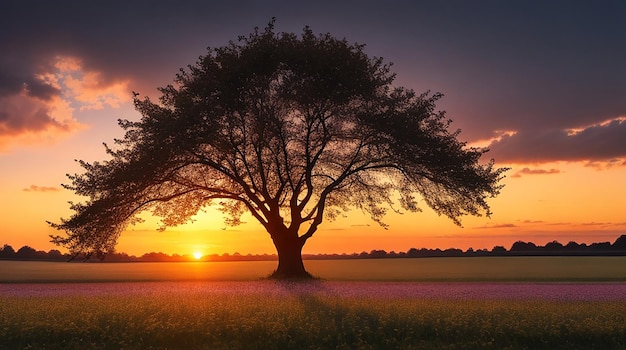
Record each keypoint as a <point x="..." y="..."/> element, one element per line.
<point x="26" y="253"/>
<point x="7" y="252"/>
<point x="293" y="129"/>
<point x="521" y="246"/>
<point x="620" y="243"/>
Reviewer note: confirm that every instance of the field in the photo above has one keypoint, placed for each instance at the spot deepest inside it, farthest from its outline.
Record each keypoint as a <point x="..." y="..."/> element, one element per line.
<point x="515" y="269"/>
<point x="180" y="311"/>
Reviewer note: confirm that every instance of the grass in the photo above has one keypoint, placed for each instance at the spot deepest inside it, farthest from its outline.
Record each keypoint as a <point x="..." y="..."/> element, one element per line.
<point x="442" y="303"/>
<point x="537" y="268"/>
<point x="583" y="269"/>
<point x="319" y="315"/>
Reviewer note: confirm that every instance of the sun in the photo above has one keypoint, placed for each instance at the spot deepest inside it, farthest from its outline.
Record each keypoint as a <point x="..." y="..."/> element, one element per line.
<point x="197" y="255"/>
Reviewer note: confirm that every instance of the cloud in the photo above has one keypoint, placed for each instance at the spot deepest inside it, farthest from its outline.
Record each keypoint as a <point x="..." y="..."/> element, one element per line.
<point x="35" y="188"/>
<point x="603" y="224"/>
<point x="41" y="90"/>
<point x="594" y="143"/>
<point x="28" y="120"/>
<point x="496" y="226"/>
<point x="606" y="164"/>
<point x="528" y="171"/>
<point x="501" y="67"/>
<point x="88" y="88"/>
<point x="533" y="221"/>
<point x="559" y="224"/>
<point x="43" y="110"/>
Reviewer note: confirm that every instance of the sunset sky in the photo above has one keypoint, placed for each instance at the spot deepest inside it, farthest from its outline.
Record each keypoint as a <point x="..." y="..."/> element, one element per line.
<point x="542" y="83"/>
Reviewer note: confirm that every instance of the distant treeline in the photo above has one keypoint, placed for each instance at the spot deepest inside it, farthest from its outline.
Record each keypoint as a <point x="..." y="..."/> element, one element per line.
<point x="519" y="248"/>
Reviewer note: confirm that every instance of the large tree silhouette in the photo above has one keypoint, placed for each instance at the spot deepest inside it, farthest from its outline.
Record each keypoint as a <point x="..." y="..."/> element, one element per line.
<point x="293" y="129"/>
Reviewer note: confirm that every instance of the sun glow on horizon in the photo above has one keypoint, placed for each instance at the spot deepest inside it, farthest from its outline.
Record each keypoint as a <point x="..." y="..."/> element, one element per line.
<point x="197" y="255"/>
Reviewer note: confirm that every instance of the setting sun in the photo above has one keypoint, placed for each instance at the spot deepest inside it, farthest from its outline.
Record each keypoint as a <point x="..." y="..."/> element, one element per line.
<point x="197" y="255"/>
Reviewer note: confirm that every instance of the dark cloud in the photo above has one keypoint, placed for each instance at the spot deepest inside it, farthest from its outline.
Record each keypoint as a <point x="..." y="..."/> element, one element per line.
<point x="30" y="112"/>
<point x="18" y="116"/>
<point x="41" y="90"/>
<point x="24" y="118"/>
<point x="10" y="83"/>
<point x="598" y="142"/>
<point x="536" y="68"/>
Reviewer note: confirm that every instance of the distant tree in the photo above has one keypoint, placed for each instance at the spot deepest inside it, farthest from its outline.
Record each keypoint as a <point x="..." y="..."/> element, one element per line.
<point x="54" y="254"/>
<point x="573" y="246"/>
<point x="377" y="254"/>
<point x="26" y="253"/>
<point x="118" y="256"/>
<point x="520" y="246"/>
<point x="600" y="246"/>
<point x="498" y="250"/>
<point x="553" y="246"/>
<point x="154" y="256"/>
<point x="293" y="129"/>
<point x="620" y="243"/>
<point x="412" y="253"/>
<point x="7" y="252"/>
<point x="453" y="252"/>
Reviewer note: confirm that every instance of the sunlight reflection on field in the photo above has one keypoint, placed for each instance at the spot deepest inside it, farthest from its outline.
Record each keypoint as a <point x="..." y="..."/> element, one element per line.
<point x="538" y="269"/>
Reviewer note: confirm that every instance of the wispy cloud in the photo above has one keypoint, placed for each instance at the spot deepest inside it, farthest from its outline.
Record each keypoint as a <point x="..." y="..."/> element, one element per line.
<point x="528" y="171"/>
<point x="558" y="223"/>
<point x="533" y="221"/>
<point x="603" y="224"/>
<point x="606" y="164"/>
<point x="35" y="188"/>
<point x="497" y="226"/>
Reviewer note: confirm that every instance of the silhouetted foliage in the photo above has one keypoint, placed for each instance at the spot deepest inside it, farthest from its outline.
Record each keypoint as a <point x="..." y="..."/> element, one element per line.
<point x="553" y="246"/>
<point x="520" y="246"/>
<point x="7" y="252"/>
<point x="377" y="254"/>
<point x="618" y="248"/>
<point x="498" y="250"/>
<point x="573" y="246"/>
<point x="292" y="129"/>
<point x="601" y="246"/>
<point x="26" y="253"/>
<point x="54" y="254"/>
<point x="620" y="243"/>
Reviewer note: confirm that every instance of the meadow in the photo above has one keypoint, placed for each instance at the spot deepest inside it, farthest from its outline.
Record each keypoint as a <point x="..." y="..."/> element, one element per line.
<point x="476" y="269"/>
<point x="135" y="310"/>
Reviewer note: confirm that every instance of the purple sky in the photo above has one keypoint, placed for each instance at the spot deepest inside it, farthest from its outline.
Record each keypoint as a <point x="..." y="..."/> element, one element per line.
<point x="537" y="68"/>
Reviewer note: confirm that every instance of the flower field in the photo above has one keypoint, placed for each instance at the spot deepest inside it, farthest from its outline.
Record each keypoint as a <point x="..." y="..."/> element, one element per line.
<point x="316" y="315"/>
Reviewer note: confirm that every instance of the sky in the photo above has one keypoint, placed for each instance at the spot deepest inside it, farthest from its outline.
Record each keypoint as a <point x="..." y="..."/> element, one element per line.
<point x="541" y="83"/>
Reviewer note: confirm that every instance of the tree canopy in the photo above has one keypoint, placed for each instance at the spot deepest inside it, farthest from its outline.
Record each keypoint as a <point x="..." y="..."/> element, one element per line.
<point x="292" y="128"/>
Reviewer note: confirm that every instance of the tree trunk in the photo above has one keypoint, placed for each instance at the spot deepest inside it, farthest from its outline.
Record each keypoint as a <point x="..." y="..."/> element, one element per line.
<point x="290" y="265"/>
